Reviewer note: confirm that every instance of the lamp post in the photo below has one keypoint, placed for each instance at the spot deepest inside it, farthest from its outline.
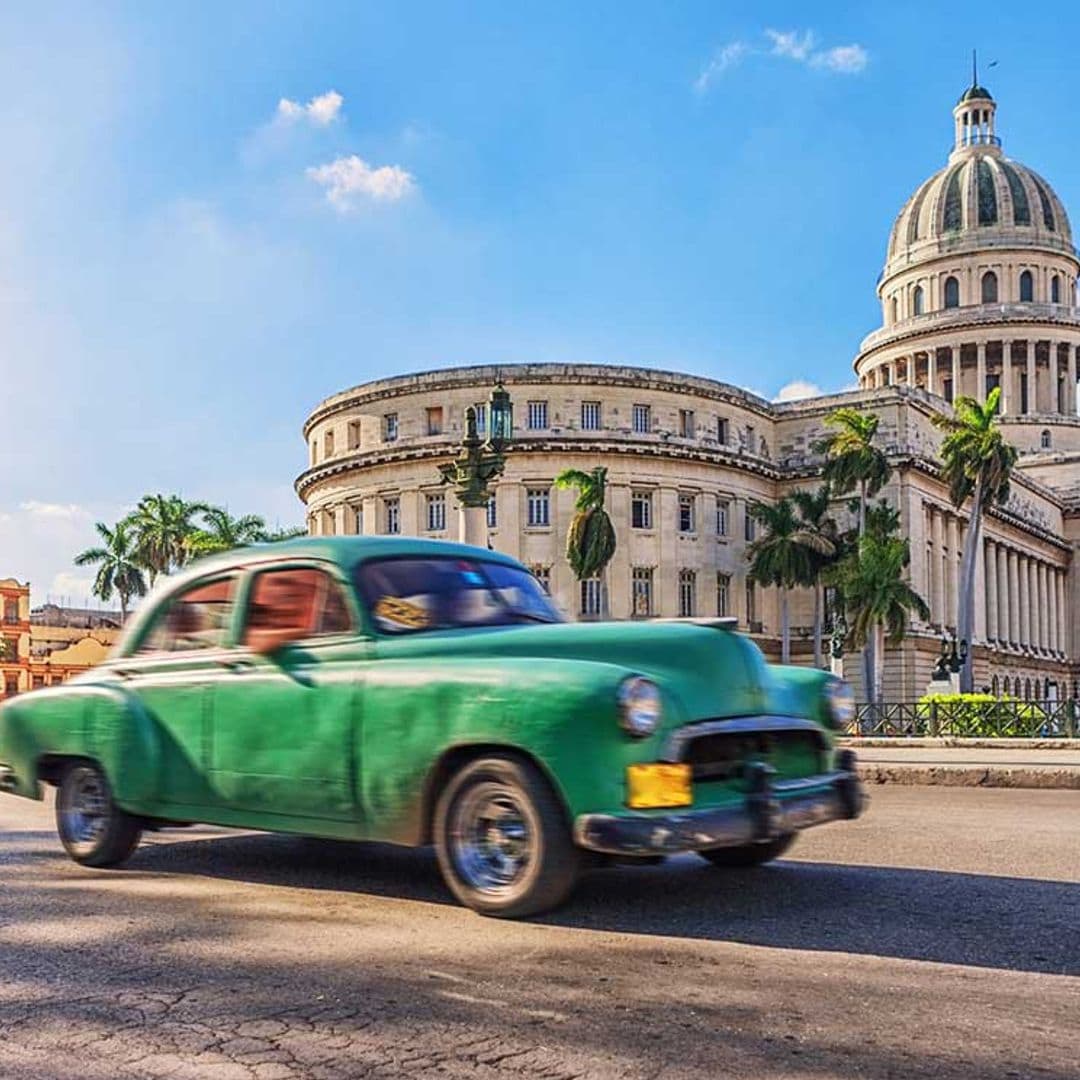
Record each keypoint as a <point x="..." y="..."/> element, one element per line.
<point x="951" y="660"/>
<point x="478" y="463"/>
<point x="836" y="645"/>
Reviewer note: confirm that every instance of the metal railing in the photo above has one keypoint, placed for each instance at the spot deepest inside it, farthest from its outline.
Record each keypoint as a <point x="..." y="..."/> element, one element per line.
<point x="969" y="719"/>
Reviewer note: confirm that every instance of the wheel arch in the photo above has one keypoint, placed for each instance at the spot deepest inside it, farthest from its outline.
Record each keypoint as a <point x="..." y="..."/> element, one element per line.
<point x="455" y="758"/>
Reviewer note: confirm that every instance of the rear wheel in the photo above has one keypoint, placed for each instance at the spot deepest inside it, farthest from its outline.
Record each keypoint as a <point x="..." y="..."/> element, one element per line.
<point x="92" y="828"/>
<point x="502" y="839"/>
<point x="749" y="854"/>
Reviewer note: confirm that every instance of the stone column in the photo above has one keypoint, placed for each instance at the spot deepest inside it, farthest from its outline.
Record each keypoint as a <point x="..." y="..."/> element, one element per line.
<point x="1003" y="593"/>
<point x="1014" y="598"/>
<point x="1070" y="382"/>
<point x="980" y="371"/>
<point x="1051" y="609"/>
<point x="937" y="599"/>
<point x="990" y="562"/>
<point x="472" y="525"/>
<point x="1030" y="602"/>
<point x="1006" y="377"/>
<point x="949" y="567"/>
<point x="913" y="370"/>
<point x="371" y="515"/>
<point x="1041" y="608"/>
<point x="617" y="577"/>
<point x="1032" y="400"/>
<point x="979" y="629"/>
<point x="955" y="351"/>
<point x="891" y="367"/>
<point x="1063" y="625"/>
<point x="931" y="372"/>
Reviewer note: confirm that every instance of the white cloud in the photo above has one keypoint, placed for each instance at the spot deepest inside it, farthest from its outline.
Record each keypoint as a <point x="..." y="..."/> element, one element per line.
<point x="320" y="110"/>
<point x="727" y="56"/>
<point x="350" y="178"/>
<point x="791" y="43"/>
<point x="843" y="59"/>
<point x="55" y="511"/>
<point x="798" y="389"/>
<point x="797" y="45"/>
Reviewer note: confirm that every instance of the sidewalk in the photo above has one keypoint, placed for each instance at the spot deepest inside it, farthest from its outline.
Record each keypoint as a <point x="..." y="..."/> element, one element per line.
<point x="1011" y="763"/>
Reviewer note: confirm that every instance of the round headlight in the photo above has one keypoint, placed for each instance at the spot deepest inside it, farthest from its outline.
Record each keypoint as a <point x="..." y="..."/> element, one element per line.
<point x="840" y="699"/>
<point x="639" y="706"/>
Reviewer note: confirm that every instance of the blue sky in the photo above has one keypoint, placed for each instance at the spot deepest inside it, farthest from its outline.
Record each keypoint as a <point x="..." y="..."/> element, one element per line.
<point x="188" y="265"/>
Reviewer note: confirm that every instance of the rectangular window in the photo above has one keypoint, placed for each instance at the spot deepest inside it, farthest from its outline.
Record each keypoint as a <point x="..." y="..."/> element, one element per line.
<point x="686" y="513"/>
<point x="722" y="430"/>
<point x="11" y="611"/>
<point x="537" y="415"/>
<point x="687" y="594"/>
<point x="39" y="681"/>
<point x="642" y="419"/>
<point x="328" y="444"/>
<point x="492" y="513"/>
<point x="1024" y="407"/>
<point x="434" y="420"/>
<point x="543" y="575"/>
<point x="358" y="520"/>
<point x="538" y="505"/>
<point x="641" y="510"/>
<point x="751" y="608"/>
<point x="436" y="513"/>
<point x="11" y="685"/>
<point x="723" y="510"/>
<point x="686" y="423"/>
<point x="590" y="597"/>
<point x="354" y="435"/>
<point x="946" y="386"/>
<point x="751" y="439"/>
<point x="723" y="594"/>
<point x="392" y="515"/>
<point x="641" y="602"/>
<point x="590" y="416"/>
<point x="991" y="382"/>
<point x="749" y="526"/>
<point x="389" y="427"/>
<point x="481" y="417"/>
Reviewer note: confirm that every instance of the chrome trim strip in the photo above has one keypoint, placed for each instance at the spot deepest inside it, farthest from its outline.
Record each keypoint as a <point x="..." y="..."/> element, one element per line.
<point x="677" y="740"/>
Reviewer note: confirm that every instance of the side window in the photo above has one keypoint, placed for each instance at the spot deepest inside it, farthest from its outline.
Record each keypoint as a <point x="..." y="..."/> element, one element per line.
<point x="197" y="618"/>
<point x="292" y="604"/>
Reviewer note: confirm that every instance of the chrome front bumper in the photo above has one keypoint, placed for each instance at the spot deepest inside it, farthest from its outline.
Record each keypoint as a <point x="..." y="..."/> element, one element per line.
<point x="8" y="779"/>
<point x="768" y="811"/>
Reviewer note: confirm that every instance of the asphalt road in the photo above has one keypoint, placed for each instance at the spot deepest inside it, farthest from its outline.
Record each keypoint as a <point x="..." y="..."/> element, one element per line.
<point x="939" y="936"/>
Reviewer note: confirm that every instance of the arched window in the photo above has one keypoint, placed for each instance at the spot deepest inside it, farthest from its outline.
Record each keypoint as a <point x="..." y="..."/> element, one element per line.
<point x="1055" y="290"/>
<point x="952" y="292"/>
<point x="1027" y="689"/>
<point x="989" y="287"/>
<point x="1027" y="286"/>
<point x="1005" y="688"/>
<point x="994" y="686"/>
<point x="895" y="310"/>
<point x="917" y="300"/>
<point x="1044" y="439"/>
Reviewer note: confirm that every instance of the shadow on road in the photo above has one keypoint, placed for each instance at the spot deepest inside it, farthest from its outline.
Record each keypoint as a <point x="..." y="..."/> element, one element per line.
<point x="996" y="922"/>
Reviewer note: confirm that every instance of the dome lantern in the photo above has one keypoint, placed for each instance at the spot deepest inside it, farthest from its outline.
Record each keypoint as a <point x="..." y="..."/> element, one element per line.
<point x="974" y="119"/>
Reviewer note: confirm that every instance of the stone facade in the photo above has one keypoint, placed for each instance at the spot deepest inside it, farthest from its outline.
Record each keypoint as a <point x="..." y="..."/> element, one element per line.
<point x="686" y="455"/>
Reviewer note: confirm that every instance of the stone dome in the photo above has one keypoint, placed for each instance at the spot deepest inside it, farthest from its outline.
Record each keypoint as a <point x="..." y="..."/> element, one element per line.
<point x="981" y="198"/>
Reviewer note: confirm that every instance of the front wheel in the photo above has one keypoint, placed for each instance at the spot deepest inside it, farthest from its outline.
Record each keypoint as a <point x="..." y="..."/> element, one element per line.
<point x="92" y="828"/>
<point x="749" y="854"/>
<point x="502" y="839"/>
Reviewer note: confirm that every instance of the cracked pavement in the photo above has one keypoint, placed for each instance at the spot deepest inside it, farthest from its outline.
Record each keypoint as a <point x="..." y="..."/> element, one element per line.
<point x="939" y="936"/>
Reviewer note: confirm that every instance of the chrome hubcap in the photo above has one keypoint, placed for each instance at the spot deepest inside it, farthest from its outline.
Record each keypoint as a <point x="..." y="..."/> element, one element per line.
<point x="84" y="810"/>
<point x="490" y="842"/>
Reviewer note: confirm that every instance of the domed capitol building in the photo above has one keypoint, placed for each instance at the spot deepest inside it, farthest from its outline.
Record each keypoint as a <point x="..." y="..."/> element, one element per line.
<point x="978" y="290"/>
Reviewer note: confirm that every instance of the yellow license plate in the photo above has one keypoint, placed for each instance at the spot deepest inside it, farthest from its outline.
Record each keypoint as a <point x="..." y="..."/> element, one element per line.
<point x="655" y="785"/>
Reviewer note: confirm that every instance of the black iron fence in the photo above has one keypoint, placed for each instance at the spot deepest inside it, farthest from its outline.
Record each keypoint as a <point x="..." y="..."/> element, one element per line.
<point x="969" y="719"/>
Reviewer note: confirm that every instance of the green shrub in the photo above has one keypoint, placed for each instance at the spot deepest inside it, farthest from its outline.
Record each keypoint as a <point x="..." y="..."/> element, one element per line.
<point x="979" y="715"/>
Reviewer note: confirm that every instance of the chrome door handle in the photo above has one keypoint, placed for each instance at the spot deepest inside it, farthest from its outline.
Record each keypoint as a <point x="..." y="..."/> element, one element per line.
<point x="238" y="666"/>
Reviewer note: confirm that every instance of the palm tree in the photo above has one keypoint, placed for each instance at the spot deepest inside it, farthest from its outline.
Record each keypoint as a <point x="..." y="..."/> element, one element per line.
<point x="852" y="461"/>
<point x="977" y="464"/>
<point x="288" y="532"/>
<point x="119" y="569"/>
<point x="590" y="541"/>
<point x="163" y="525"/>
<point x="222" y="532"/>
<point x="784" y="555"/>
<point x="878" y="600"/>
<point x="813" y="508"/>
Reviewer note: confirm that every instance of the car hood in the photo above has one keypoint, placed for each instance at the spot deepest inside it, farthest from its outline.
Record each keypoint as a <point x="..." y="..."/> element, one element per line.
<point x="710" y="671"/>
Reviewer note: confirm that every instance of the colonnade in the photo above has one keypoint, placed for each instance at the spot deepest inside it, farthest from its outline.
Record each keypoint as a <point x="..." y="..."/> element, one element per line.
<point x="1035" y="375"/>
<point x="1020" y="598"/>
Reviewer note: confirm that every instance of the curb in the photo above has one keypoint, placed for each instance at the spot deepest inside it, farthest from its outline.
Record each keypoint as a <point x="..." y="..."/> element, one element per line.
<point x="984" y="776"/>
<point x="924" y="741"/>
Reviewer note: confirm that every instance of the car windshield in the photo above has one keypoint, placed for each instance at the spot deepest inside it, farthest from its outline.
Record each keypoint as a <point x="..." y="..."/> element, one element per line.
<point x="409" y="595"/>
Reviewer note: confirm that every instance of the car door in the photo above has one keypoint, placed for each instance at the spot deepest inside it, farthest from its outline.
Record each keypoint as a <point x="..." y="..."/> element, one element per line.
<point x="170" y="672"/>
<point x="285" y="717"/>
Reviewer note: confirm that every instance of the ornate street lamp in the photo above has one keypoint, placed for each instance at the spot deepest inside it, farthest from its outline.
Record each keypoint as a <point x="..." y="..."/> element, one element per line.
<point x="951" y="659"/>
<point x="478" y="463"/>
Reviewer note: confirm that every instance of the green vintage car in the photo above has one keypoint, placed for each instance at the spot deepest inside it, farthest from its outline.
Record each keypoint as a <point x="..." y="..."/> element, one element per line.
<point x="421" y="692"/>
